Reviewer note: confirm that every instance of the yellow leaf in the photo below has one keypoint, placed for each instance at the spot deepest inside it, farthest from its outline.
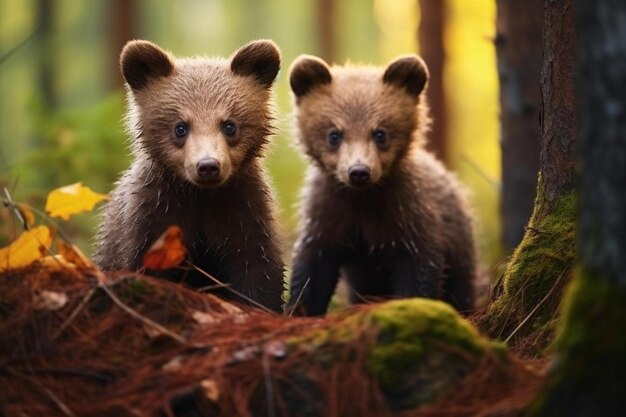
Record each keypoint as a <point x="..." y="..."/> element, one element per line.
<point x="72" y="254"/>
<point x="27" y="215"/>
<point x="26" y="249"/>
<point x="72" y="199"/>
<point x="167" y="252"/>
<point x="54" y="263"/>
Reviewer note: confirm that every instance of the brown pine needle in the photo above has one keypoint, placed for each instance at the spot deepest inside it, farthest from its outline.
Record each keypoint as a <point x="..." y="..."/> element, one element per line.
<point x="269" y="387"/>
<point x="539" y="304"/>
<point x="234" y="291"/>
<point x="74" y="313"/>
<point x="299" y="296"/>
<point x="141" y="318"/>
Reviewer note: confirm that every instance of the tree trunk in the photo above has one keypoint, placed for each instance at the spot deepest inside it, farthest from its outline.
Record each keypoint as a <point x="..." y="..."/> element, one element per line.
<point x="45" y="73"/>
<point x="590" y="376"/>
<point x="326" y="29"/>
<point x="519" y="48"/>
<point x="122" y="26"/>
<point x="524" y="311"/>
<point x="431" y="41"/>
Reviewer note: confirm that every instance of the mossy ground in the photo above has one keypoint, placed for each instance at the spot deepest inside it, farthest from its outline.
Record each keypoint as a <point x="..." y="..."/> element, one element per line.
<point x="410" y="330"/>
<point x="533" y="281"/>
<point x="416" y="349"/>
<point x="589" y="378"/>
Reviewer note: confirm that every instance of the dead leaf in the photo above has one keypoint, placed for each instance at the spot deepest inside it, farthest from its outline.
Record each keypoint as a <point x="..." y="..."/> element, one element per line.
<point x="32" y="245"/>
<point x="276" y="348"/>
<point x="50" y="300"/>
<point x="27" y="215"/>
<point x="230" y="308"/>
<point x="72" y="254"/>
<point x="167" y="252"/>
<point x="72" y="199"/>
<point x="203" y="318"/>
<point x="173" y="365"/>
<point x="210" y="389"/>
<point x="245" y="354"/>
<point x="152" y="332"/>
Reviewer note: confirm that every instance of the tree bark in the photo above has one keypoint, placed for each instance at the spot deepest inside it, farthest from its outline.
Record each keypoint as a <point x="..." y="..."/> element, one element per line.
<point x="122" y="19"/>
<point x="590" y="376"/>
<point x="524" y="311"/>
<point x="45" y="73"/>
<point x="326" y="10"/>
<point x="432" y="49"/>
<point x="558" y="157"/>
<point x="602" y="75"/>
<point x="519" y="49"/>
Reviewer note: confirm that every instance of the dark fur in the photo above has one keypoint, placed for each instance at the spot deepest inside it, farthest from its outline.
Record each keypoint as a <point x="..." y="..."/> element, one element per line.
<point x="407" y="234"/>
<point x="228" y="229"/>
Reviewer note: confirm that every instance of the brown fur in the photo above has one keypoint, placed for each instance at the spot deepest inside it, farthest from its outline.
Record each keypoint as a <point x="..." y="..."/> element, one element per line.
<point x="408" y="231"/>
<point x="228" y="223"/>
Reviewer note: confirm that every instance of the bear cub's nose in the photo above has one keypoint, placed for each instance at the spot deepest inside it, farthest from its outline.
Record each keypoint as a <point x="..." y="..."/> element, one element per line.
<point x="359" y="174"/>
<point x="208" y="169"/>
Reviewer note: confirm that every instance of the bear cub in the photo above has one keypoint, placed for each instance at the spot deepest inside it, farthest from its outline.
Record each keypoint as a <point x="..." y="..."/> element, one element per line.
<point x="198" y="128"/>
<point x="378" y="209"/>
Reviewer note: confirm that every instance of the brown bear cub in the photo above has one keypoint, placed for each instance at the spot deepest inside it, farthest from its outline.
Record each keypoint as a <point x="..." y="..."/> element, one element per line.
<point x="378" y="208"/>
<point x="198" y="127"/>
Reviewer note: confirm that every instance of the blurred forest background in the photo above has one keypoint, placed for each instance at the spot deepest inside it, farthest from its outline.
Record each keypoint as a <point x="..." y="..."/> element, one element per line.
<point x="62" y="100"/>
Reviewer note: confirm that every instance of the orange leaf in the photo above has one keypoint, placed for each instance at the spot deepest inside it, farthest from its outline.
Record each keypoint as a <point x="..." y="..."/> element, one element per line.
<point x="167" y="252"/>
<point x="31" y="246"/>
<point x="72" y="199"/>
<point x="72" y="254"/>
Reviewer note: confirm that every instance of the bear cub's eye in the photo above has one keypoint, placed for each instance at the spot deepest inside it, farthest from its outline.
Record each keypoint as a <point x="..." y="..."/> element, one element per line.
<point x="380" y="137"/>
<point x="229" y="129"/>
<point x="334" y="138"/>
<point x="181" y="129"/>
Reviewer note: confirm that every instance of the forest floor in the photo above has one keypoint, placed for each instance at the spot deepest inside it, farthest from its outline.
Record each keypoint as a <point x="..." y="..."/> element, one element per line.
<point x="75" y="341"/>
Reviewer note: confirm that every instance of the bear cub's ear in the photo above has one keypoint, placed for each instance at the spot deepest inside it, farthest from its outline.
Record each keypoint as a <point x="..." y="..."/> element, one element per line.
<point x="408" y="72"/>
<point x="141" y="61"/>
<point x="260" y="59"/>
<point x="308" y="72"/>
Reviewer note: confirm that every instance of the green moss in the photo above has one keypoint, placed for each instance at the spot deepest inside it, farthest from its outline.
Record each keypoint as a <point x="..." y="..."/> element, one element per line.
<point x="417" y="349"/>
<point x="590" y="376"/>
<point x="140" y="287"/>
<point x="540" y="266"/>
<point x="499" y="348"/>
<point x="412" y="331"/>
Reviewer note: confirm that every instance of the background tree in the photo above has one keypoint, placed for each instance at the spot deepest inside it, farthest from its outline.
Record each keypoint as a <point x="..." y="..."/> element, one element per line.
<point x="524" y="310"/>
<point x="45" y="67"/>
<point x="519" y="49"/>
<point x="326" y="29"/>
<point x="590" y="376"/>
<point x="122" y="25"/>
<point x="431" y="41"/>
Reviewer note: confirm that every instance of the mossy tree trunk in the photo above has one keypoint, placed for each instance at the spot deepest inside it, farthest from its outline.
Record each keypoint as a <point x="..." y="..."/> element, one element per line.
<point x="525" y="308"/>
<point x="431" y="41"/>
<point x="519" y="47"/>
<point x="590" y="376"/>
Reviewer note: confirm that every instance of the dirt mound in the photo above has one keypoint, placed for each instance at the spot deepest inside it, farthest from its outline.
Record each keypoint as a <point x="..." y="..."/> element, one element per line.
<point x="79" y="343"/>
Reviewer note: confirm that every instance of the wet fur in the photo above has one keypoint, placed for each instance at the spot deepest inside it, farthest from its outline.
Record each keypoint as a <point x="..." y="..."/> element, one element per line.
<point x="410" y="233"/>
<point x="229" y="229"/>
